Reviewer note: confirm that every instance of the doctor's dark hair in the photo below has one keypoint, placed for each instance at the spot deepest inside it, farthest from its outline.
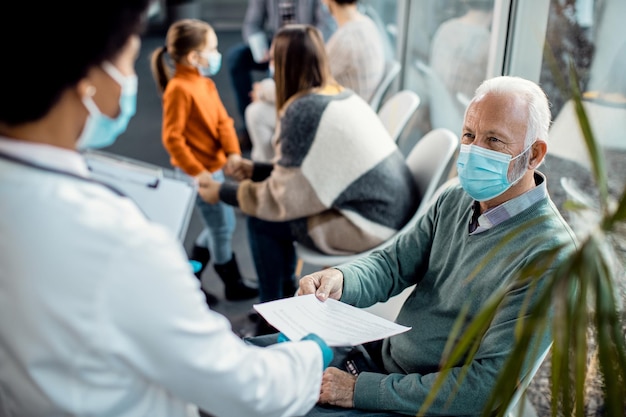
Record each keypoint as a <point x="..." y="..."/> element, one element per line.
<point x="54" y="45"/>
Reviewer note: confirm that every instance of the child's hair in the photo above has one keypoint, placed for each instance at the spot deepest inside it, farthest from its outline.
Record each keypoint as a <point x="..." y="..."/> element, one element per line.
<point x="183" y="36"/>
<point x="300" y="61"/>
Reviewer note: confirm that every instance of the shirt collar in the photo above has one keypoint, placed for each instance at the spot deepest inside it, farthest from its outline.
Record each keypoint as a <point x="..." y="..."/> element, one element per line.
<point x="508" y="209"/>
<point x="45" y="155"/>
<point x="187" y="71"/>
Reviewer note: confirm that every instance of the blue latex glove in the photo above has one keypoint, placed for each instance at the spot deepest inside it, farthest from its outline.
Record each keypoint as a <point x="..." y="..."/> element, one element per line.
<point x="282" y="338"/>
<point x="195" y="265"/>
<point x="327" y="352"/>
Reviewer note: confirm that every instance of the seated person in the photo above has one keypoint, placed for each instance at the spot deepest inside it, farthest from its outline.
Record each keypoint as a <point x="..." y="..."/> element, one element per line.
<point x="268" y="16"/>
<point x="356" y="56"/>
<point x="505" y="128"/>
<point x="356" y="51"/>
<point x="339" y="183"/>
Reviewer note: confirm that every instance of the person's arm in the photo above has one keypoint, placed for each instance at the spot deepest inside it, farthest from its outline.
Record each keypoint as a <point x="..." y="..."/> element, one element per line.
<point x="170" y="337"/>
<point x="402" y="263"/>
<point x="266" y="90"/>
<point x="287" y="193"/>
<point x="261" y="171"/>
<point x="176" y="109"/>
<point x="406" y="393"/>
<point x="212" y="191"/>
<point x="340" y="60"/>
<point x="226" y="133"/>
<point x="255" y="18"/>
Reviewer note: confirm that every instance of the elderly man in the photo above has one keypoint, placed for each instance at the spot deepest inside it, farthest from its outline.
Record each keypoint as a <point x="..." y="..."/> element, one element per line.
<point x="503" y="142"/>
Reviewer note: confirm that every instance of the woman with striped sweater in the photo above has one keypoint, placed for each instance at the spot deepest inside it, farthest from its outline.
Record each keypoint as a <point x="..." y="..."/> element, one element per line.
<point x="339" y="183"/>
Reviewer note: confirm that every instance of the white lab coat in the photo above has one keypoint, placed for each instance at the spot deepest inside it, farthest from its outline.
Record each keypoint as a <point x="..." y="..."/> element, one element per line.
<point x="100" y="314"/>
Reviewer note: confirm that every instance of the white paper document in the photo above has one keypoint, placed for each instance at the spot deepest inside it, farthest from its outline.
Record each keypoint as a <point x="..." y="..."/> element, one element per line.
<point x="339" y="324"/>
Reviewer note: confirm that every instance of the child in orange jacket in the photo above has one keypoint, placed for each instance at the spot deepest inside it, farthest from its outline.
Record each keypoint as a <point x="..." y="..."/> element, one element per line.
<point x="200" y="138"/>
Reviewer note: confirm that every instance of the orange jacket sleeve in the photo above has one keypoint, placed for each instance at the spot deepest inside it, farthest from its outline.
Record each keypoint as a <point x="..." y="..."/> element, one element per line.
<point x="176" y="110"/>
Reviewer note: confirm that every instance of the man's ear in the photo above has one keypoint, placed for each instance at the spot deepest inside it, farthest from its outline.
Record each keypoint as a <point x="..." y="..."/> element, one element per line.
<point x="537" y="153"/>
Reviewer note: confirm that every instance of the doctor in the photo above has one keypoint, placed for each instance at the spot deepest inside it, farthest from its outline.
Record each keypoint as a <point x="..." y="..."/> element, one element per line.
<point x="100" y="313"/>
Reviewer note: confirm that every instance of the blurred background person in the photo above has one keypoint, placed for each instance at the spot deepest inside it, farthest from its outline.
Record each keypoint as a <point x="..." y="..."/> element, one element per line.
<point x="356" y="55"/>
<point x="200" y="138"/>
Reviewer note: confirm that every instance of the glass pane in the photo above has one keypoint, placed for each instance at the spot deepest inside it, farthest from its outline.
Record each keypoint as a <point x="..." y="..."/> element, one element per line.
<point x="590" y="34"/>
<point x="385" y="15"/>
<point x="446" y="59"/>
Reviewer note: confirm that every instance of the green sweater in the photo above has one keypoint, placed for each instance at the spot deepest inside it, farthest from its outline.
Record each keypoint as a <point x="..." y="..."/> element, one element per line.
<point x="438" y="255"/>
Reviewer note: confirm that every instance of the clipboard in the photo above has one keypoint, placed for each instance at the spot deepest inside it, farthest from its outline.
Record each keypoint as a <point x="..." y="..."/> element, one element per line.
<point x="166" y="196"/>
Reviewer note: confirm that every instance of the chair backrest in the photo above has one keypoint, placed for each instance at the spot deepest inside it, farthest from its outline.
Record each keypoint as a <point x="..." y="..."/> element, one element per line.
<point x="446" y="109"/>
<point x="515" y="409"/>
<point x="430" y="161"/>
<point x="392" y="69"/>
<point x="397" y="110"/>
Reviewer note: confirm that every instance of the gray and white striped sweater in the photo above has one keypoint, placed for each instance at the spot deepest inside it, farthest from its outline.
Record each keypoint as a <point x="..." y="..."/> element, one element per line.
<point x="339" y="177"/>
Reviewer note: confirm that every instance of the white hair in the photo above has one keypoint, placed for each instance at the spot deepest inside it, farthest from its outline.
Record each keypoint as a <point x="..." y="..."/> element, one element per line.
<point x="539" y="116"/>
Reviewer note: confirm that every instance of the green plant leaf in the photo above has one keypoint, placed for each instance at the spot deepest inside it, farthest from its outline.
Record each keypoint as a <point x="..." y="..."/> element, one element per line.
<point x="595" y="153"/>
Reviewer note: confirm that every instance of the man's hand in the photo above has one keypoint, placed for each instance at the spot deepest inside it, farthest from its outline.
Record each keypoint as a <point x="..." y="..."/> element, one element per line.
<point x="208" y="188"/>
<point x="239" y="168"/>
<point x="324" y="284"/>
<point x="337" y="388"/>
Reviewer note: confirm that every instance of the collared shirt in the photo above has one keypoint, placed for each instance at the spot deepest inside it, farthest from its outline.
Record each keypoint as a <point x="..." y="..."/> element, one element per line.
<point x="45" y="155"/>
<point x="508" y="209"/>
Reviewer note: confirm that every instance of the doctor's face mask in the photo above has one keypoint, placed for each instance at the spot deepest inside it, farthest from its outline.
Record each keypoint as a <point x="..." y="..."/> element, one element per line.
<point x="101" y="130"/>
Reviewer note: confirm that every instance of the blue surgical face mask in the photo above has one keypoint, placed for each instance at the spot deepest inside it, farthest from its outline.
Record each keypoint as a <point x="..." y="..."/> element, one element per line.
<point x="270" y="69"/>
<point x="100" y="130"/>
<point x="215" y="63"/>
<point x="483" y="173"/>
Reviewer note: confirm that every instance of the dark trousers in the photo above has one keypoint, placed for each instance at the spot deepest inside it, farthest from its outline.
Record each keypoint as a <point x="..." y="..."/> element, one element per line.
<point x="274" y="256"/>
<point x="240" y="67"/>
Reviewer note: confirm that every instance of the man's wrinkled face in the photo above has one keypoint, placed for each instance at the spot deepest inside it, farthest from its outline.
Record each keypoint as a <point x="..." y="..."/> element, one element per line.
<point x="497" y="122"/>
